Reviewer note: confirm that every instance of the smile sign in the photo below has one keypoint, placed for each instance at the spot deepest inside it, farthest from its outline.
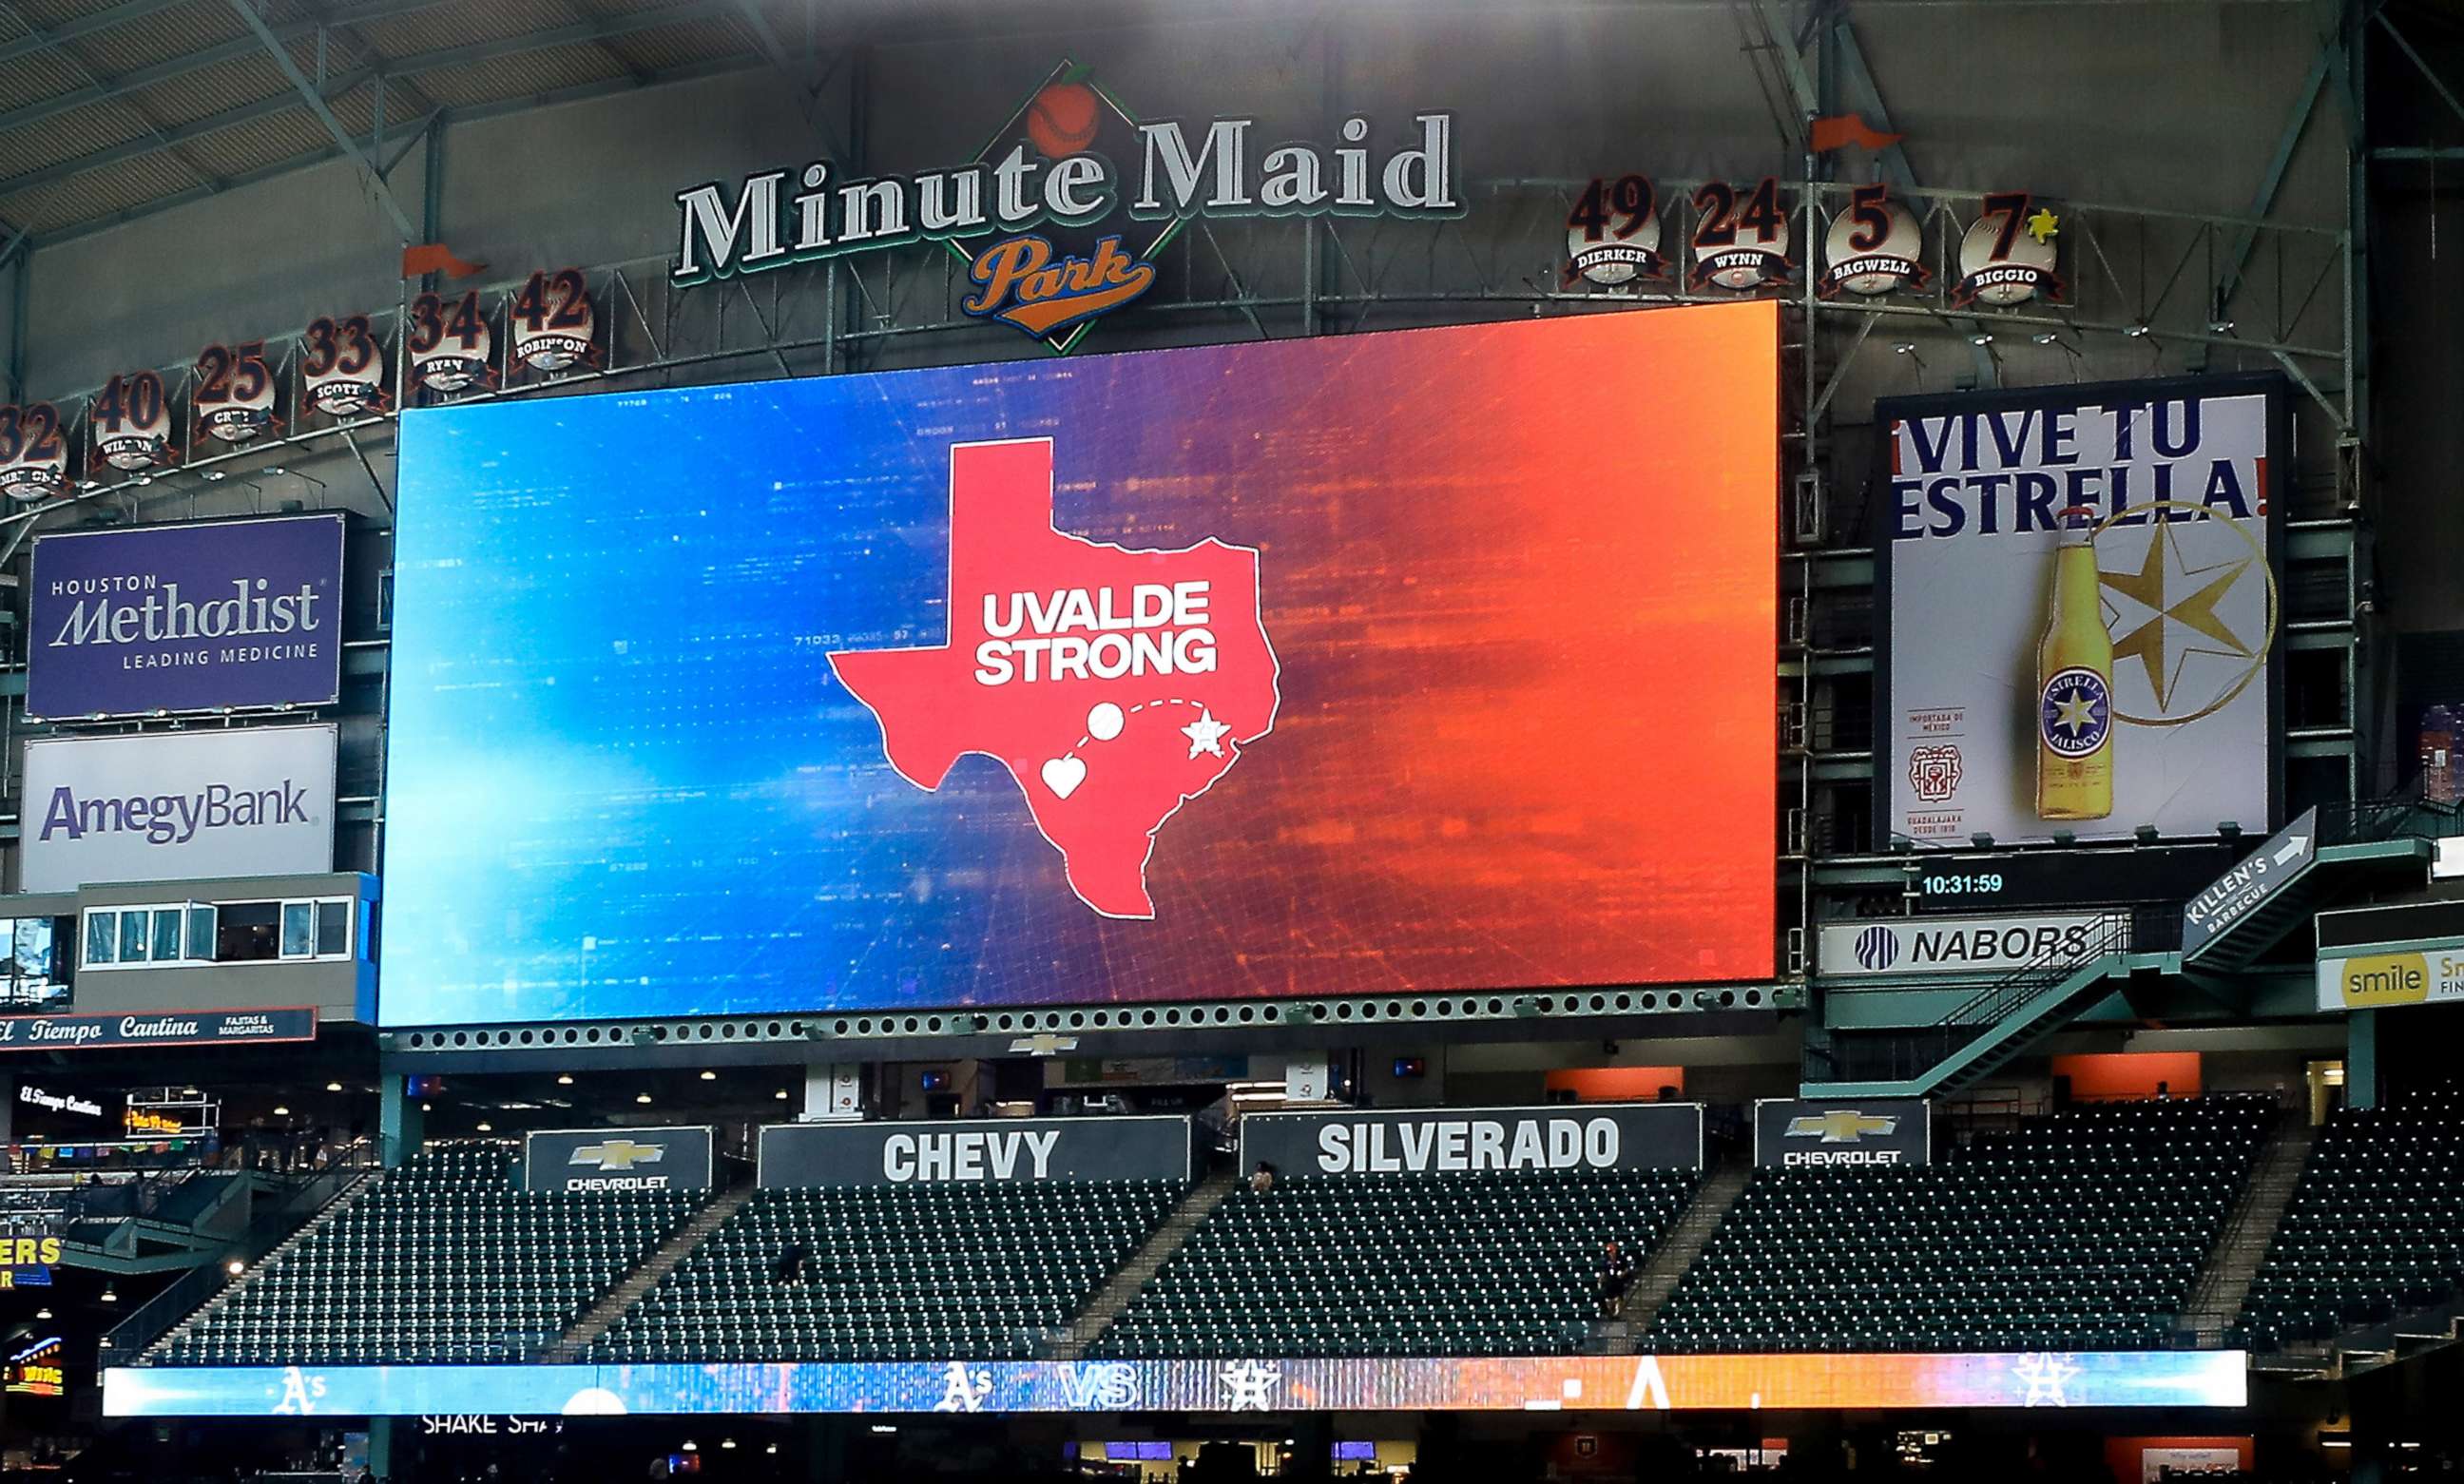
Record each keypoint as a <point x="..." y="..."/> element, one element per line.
<point x="1060" y="217"/>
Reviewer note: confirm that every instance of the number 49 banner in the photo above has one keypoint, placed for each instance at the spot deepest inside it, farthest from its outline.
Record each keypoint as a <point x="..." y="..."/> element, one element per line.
<point x="2083" y="612"/>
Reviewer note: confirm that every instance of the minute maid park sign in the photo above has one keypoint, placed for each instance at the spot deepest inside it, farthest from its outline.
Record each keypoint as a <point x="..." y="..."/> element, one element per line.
<point x="1051" y="229"/>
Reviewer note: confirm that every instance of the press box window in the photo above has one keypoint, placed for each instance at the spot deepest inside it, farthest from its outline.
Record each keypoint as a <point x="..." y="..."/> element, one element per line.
<point x="202" y="933"/>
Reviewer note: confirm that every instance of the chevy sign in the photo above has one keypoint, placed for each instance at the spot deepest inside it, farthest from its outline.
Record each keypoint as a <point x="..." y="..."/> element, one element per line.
<point x="232" y="615"/>
<point x="177" y="806"/>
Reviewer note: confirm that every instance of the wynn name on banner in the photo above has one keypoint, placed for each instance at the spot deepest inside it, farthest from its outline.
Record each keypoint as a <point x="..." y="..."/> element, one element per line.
<point x="2013" y="471"/>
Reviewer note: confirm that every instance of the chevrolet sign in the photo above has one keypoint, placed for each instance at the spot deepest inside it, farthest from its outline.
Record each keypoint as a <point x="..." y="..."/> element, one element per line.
<point x="581" y="1162"/>
<point x="1789" y="1134"/>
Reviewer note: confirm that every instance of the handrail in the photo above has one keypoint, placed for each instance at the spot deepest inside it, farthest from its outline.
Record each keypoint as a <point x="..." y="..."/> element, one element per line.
<point x="150" y="1320"/>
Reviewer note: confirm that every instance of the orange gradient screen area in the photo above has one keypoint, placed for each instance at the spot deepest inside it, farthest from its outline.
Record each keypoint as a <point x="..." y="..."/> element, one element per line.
<point x="1521" y="580"/>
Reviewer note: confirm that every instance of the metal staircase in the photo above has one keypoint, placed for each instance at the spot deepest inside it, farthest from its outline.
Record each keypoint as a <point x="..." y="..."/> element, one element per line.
<point x="2369" y="838"/>
<point x="1996" y="1025"/>
<point x="1114" y="1298"/>
<point x="147" y="1332"/>
<point x="1676" y="1252"/>
<point x="628" y="1290"/>
<point x="2226" y="1276"/>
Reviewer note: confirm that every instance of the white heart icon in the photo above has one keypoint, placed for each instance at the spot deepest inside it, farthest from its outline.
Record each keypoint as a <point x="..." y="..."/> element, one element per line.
<point x="1064" y="775"/>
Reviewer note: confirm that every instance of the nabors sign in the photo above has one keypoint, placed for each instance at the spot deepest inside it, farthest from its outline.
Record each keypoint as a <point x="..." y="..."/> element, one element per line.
<point x="1060" y="216"/>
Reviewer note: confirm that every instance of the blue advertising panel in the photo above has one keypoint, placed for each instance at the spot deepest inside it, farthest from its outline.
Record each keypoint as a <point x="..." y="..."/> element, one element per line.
<point x="235" y="614"/>
<point x="1631" y="1382"/>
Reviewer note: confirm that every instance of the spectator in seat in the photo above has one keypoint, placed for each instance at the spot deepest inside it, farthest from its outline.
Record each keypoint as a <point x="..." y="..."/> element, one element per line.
<point x="790" y="1265"/>
<point x="1617" y="1275"/>
<point x="1263" y="1178"/>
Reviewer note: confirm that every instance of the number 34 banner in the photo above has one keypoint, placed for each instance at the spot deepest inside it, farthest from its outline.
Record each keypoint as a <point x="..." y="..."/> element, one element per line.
<point x="2082" y="610"/>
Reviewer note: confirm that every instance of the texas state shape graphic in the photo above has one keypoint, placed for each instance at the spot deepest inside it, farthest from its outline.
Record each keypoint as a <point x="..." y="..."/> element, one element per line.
<point x="1115" y="685"/>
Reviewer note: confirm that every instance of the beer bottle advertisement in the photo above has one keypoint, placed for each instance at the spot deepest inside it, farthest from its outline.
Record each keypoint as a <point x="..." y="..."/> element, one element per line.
<point x="2082" y="611"/>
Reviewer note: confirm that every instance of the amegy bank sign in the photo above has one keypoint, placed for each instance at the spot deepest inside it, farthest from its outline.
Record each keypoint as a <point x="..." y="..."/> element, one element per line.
<point x="177" y="806"/>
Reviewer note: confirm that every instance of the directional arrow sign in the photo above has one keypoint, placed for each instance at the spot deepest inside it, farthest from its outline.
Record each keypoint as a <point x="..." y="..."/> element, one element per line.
<point x="2251" y="885"/>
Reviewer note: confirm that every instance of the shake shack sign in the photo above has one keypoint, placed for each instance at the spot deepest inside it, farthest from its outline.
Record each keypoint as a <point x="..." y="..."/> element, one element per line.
<point x="1061" y="216"/>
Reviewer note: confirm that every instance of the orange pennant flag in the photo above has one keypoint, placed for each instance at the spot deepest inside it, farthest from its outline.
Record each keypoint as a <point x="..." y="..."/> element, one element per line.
<point x="436" y="258"/>
<point x="1848" y="128"/>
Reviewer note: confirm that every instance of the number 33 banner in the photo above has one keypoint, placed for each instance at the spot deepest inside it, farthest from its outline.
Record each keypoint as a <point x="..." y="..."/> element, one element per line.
<point x="2082" y="610"/>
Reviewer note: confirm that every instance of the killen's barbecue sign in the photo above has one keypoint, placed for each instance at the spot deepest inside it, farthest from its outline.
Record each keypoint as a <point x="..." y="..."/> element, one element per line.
<point x="1059" y="219"/>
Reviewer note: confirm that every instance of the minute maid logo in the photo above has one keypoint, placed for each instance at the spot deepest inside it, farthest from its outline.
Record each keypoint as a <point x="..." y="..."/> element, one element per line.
<point x="1038" y="215"/>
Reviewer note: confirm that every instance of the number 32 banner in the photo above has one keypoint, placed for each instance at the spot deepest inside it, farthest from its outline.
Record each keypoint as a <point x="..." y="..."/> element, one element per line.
<point x="2082" y="610"/>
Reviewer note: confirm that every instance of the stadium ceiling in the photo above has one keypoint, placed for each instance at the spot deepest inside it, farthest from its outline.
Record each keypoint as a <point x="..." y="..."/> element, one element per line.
<point x="115" y="109"/>
<point x="110" y="109"/>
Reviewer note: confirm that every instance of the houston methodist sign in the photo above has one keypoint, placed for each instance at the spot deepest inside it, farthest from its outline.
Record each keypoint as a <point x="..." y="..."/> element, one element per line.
<point x="1060" y="216"/>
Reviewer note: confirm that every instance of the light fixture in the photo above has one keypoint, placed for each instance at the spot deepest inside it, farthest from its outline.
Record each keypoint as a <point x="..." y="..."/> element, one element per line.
<point x="781" y="1094"/>
<point x="565" y="1079"/>
<point x="772" y="1449"/>
<point x="1904" y="348"/>
<point x="727" y="1442"/>
<point x="235" y="1266"/>
<point x="691" y="1447"/>
<point x="333" y="1087"/>
<point x="428" y="1107"/>
<point x="212" y="476"/>
<point x="1981" y="337"/>
<point x="709" y="1076"/>
<point x="2220" y="326"/>
<point x="2135" y="332"/>
<point x="275" y="469"/>
<point x="43" y="1313"/>
<point x="2145" y="835"/>
<point x="486" y="1127"/>
<point x="640" y="1098"/>
<point x="1981" y="839"/>
<point x="281" y="1111"/>
<point x="110" y="1295"/>
<point x="2043" y="337"/>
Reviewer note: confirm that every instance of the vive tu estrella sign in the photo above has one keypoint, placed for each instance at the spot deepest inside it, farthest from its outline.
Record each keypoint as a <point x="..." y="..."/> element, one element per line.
<point x="1060" y="216"/>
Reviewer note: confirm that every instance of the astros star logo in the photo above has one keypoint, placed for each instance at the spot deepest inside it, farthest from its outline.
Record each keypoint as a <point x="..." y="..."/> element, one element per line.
<point x="1249" y="1385"/>
<point x="2044" y="1376"/>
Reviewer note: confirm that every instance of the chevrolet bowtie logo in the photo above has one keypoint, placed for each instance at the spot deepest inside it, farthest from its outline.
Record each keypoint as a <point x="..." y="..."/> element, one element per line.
<point x="1044" y="1044"/>
<point x="1840" y="1125"/>
<point x="618" y="1154"/>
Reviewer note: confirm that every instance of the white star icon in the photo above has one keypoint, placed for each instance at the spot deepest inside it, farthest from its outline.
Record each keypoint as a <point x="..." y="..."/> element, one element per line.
<point x="1250" y="1384"/>
<point x="1205" y="734"/>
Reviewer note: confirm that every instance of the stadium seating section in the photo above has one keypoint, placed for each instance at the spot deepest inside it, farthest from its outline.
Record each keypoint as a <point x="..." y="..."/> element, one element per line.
<point x="2376" y="1225"/>
<point x="2083" y="1229"/>
<point x="446" y="1260"/>
<point x="900" y="1272"/>
<point x="1399" y="1264"/>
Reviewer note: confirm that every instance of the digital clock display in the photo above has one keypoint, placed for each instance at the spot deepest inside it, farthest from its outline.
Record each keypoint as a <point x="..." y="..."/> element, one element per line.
<point x="1973" y="883"/>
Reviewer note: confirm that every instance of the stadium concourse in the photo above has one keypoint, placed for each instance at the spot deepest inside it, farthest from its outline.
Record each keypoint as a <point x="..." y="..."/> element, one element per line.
<point x="855" y="742"/>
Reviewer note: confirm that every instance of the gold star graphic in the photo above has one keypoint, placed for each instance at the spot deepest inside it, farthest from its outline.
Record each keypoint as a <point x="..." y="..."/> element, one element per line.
<point x="2044" y="224"/>
<point x="2149" y="589"/>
